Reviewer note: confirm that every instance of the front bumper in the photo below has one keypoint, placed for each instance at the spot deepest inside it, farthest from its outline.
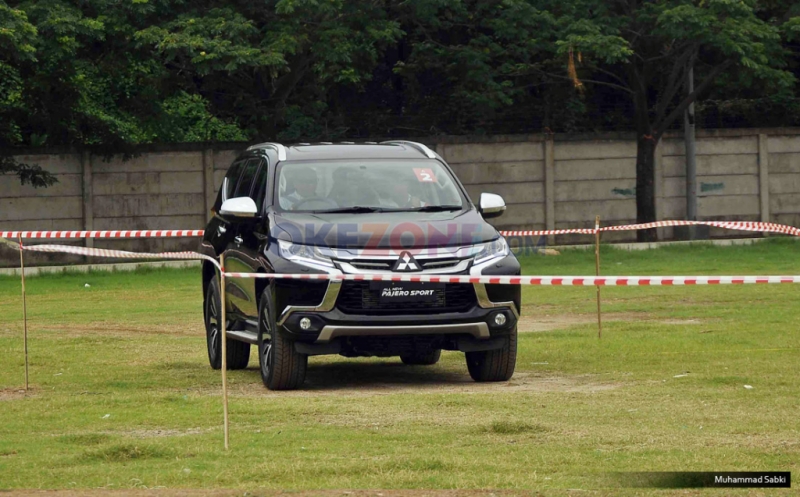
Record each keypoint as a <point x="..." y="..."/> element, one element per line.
<point x="478" y="322"/>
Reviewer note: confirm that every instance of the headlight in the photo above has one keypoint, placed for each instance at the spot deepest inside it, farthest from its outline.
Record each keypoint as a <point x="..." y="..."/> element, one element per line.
<point x="303" y="254"/>
<point x="492" y="250"/>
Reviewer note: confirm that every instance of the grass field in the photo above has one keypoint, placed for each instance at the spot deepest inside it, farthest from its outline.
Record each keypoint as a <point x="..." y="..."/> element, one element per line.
<point x="122" y="396"/>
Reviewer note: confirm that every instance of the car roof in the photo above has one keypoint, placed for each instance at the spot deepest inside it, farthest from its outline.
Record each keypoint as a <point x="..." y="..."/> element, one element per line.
<point x="327" y="150"/>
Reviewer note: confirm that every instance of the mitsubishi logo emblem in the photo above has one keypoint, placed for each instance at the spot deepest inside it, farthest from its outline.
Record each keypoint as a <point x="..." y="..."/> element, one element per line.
<point x="406" y="263"/>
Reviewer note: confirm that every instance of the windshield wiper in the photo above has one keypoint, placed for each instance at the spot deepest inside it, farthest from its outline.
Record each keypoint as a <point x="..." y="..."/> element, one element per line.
<point x="437" y="208"/>
<point x="356" y="209"/>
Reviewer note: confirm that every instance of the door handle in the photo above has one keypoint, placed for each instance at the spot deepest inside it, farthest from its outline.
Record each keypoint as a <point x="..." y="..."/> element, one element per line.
<point x="221" y="230"/>
<point x="238" y="240"/>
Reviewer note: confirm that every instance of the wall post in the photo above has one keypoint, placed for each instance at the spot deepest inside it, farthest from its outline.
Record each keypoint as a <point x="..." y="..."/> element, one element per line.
<point x="549" y="185"/>
<point x="658" y="173"/>
<point x="86" y="192"/>
<point x="763" y="176"/>
<point x="208" y="182"/>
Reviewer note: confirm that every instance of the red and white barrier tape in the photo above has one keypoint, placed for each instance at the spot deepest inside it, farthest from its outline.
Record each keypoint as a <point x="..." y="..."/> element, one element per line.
<point x="539" y="280"/>
<point x="578" y="231"/>
<point x="119" y="254"/>
<point x="492" y="280"/>
<point x="732" y="225"/>
<point x="101" y="234"/>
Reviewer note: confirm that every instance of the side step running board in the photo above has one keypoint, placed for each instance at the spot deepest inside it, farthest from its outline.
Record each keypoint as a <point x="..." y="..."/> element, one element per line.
<point x="250" y="337"/>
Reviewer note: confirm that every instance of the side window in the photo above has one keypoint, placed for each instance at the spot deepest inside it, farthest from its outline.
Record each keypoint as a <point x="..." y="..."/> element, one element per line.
<point x="246" y="183"/>
<point x="231" y="178"/>
<point x="260" y="185"/>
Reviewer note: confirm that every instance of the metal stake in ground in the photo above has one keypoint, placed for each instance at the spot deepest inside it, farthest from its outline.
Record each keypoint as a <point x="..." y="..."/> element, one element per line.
<point x="24" y="312"/>
<point x="223" y="326"/>
<point x="597" y="271"/>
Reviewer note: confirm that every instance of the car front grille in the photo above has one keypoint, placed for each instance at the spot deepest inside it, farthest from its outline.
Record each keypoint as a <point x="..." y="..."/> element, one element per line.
<point x="386" y="265"/>
<point x="356" y="297"/>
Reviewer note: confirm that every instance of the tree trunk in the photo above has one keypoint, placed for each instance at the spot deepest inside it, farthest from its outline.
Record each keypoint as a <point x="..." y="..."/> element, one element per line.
<point x="645" y="185"/>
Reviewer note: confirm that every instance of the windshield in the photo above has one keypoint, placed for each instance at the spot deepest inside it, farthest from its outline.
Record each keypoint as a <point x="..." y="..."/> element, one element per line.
<point x="366" y="184"/>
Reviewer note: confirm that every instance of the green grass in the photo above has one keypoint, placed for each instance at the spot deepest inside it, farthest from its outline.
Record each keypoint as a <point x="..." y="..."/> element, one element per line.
<point x="123" y="396"/>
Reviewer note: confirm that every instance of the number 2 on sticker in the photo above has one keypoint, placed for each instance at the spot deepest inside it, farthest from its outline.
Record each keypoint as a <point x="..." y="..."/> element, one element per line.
<point x="424" y="175"/>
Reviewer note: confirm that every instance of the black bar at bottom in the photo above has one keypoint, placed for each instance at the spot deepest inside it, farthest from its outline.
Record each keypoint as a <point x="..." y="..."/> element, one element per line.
<point x="709" y="479"/>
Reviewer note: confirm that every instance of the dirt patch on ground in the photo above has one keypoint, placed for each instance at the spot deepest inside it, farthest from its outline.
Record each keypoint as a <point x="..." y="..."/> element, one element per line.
<point x="117" y="329"/>
<point x="354" y="379"/>
<point x="158" y="433"/>
<point x="548" y="322"/>
<point x="14" y="394"/>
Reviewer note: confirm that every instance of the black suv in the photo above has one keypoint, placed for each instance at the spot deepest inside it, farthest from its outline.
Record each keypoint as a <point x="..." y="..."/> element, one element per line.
<point x="377" y="208"/>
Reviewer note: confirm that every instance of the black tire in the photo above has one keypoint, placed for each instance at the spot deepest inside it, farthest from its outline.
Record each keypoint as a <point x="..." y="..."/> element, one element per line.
<point x="422" y="358"/>
<point x="281" y="366"/>
<point x="238" y="352"/>
<point x="494" y="365"/>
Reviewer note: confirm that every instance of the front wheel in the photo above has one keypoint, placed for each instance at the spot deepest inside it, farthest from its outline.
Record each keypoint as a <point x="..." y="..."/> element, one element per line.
<point x="238" y="352"/>
<point x="282" y="367"/>
<point x="494" y="365"/>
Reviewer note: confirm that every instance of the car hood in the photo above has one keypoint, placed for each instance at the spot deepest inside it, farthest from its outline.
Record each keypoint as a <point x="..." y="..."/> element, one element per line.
<point x="385" y="230"/>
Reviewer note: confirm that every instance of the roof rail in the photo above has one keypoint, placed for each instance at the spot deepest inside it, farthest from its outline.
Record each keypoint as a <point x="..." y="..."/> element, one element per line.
<point x="277" y="146"/>
<point x="419" y="146"/>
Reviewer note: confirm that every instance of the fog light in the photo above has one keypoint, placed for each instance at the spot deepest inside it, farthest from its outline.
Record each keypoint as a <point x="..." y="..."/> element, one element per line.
<point x="500" y="319"/>
<point x="305" y="323"/>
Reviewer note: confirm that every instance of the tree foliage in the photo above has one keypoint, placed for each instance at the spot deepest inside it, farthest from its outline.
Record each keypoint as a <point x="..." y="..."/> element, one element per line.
<point x="106" y="75"/>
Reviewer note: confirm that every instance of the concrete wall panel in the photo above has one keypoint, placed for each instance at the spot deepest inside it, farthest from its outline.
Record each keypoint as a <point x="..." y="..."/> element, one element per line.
<point x="147" y="183"/>
<point x="714" y="146"/>
<point x="148" y="205"/>
<point x="224" y="158"/>
<point x="570" y="191"/>
<point x="608" y="210"/>
<point x="583" y="169"/>
<point x="68" y="185"/>
<point x="512" y="193"/>
<point x="675" y="166"/>
<point x="728" y="206"/>
<point x="499" y="172"/>
<point x="54" y="164"/>
<point x="594" y="149"/>
<point x="187" y="222"/>
<point x="151" y="162"/>
<point x="784" y="203"/>
<point x="784" y="163"/>
<point x="784" y="183"/>
<point x="783" y="144"/>
<point x="51" y="224"/>
<point x="492" y="152"/>
<point x="521" y="216"/>
<point x="34" y="208"/>
<point x="738" y="184"/>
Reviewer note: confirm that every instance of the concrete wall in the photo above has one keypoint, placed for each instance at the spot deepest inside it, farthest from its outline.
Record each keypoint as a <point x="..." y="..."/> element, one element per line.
<point x="548" y="182"/>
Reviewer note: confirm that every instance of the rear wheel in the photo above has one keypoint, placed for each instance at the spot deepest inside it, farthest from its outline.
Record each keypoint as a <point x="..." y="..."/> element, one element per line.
<point x="422" y="358"/>
<point x="282" y="367"/>
<point x="238" y="352"/>
<point x="494" y="365"/>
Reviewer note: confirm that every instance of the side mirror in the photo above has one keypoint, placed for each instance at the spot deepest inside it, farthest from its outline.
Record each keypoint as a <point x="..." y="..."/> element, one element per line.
<point x="491" y="205"/>
<point x="239" y="207"/>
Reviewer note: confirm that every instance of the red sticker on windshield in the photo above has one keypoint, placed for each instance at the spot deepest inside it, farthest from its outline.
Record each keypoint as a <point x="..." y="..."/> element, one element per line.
<point x="425" y="175"/>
